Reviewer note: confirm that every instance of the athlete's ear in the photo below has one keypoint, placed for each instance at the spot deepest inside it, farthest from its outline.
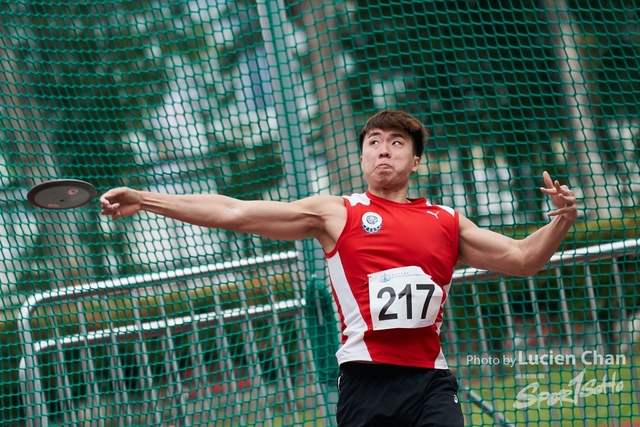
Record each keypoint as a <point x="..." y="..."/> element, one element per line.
<point x="416" y="163"/>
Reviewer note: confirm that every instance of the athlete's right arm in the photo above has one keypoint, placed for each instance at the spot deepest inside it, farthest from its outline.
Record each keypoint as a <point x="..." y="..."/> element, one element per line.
<point x="320" y="217"/>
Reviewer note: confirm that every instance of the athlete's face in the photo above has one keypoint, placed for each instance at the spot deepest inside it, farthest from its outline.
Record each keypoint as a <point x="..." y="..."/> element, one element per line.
<point x="387" y="158"/>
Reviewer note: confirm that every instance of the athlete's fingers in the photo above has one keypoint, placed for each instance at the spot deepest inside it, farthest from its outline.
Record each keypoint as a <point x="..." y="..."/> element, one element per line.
<point x="566" y="209"/>
<point x="547" y="179"/>
<point x="569" y="210"/>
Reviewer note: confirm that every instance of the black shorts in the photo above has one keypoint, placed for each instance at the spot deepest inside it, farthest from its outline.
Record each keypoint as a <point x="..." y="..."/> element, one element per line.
<point x="372" y="395"/>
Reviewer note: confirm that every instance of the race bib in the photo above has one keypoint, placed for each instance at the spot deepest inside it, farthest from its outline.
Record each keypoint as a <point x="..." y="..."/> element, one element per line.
<point x="403" y="297"/>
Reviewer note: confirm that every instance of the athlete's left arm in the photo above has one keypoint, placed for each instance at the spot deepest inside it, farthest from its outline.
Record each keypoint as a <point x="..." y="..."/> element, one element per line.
<point x="487" y="250"/>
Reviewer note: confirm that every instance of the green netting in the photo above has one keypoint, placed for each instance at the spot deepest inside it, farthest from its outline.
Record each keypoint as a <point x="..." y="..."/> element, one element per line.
<point x="171" y="324"/>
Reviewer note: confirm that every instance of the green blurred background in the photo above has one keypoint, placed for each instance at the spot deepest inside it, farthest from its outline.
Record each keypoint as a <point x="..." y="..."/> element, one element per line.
<point x="263" y="99"/>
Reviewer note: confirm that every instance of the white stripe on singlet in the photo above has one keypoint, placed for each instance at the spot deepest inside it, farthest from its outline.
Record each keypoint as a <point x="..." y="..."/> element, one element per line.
<point x="354" y="348"/>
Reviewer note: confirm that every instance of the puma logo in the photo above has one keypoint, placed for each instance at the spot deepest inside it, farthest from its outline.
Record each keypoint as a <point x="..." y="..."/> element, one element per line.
<point x="433" y="213"/>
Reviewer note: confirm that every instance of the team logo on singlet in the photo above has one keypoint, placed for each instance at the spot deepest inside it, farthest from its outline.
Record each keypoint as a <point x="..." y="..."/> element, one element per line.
<point x="371" y="222"/>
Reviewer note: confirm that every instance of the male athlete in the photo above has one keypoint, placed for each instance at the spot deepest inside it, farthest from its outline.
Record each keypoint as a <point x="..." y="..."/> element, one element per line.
<point x="390" y="261"/>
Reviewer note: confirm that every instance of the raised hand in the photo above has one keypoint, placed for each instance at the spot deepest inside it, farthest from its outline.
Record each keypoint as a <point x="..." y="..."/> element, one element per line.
<point x="562" y="197"/>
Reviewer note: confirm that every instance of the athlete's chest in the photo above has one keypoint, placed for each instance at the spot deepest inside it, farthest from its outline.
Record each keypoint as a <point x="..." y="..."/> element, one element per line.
<point x="379" y="238"/>
<point x="417" y="229"/>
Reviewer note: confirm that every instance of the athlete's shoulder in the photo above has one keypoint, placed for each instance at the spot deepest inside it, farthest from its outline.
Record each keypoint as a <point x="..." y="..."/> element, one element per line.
<point x="319" y="203"/>
<point x="444" y="208"/>
<point x="357" y="198"/>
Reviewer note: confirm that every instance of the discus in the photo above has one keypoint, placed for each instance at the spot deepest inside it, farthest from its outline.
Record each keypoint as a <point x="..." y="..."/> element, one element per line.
<point x="61" y="194"/>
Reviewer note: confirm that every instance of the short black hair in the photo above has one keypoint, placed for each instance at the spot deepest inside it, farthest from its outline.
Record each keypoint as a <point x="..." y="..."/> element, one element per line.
<point x="388" y="119"/>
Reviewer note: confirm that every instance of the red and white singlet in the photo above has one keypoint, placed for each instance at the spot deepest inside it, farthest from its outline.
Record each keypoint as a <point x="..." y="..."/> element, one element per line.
<point x="390" y="272"/>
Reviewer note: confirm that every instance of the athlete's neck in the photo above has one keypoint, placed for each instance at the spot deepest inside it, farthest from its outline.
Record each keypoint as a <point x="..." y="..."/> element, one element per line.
<point x="393" y="196"/>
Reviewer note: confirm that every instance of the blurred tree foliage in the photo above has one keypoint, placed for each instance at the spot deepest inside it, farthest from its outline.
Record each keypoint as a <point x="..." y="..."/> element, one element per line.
<point x="83" y="76"/>
<point x="485" y="73"/>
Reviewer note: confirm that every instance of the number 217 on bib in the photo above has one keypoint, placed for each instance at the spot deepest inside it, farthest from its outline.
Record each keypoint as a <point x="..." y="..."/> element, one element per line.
<point x="404" y="301"/>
